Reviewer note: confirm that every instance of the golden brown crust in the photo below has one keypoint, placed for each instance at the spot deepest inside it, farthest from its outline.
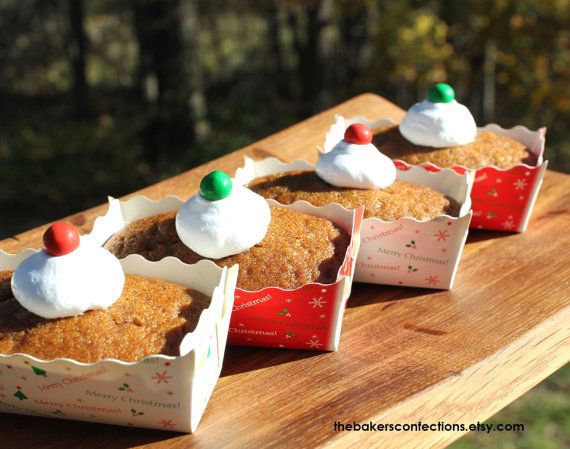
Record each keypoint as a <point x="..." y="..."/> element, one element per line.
<point x="401" y="199"/>
<point x="5" y="289"/>
<point x="297" y="249"/>
<point x="487" y="149"/>
<point x="151" y="317"/>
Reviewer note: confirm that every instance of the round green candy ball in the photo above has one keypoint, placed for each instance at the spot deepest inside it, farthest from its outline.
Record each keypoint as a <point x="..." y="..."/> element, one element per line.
<point x="215" y="186"/>
<point x="441" y="93"/>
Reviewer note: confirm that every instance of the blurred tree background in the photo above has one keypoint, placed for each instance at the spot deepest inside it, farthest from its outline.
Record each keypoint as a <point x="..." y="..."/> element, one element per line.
<point x="104" y="97"/>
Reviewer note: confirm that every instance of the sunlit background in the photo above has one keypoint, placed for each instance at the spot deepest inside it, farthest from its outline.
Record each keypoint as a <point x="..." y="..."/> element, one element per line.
<point x="104" y="97"/>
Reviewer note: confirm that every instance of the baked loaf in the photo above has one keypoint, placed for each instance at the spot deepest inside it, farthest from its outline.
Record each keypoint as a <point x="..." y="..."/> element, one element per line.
<point x="401" y="199"/>
<point x="297" y="249"/>
<point x="5" y="289"/>
<point x="488" y="149"/>
<point x="151" y="317"/>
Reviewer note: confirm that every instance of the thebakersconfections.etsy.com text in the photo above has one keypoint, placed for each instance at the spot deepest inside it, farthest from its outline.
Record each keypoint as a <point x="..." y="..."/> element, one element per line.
<point x="440" y="426"/>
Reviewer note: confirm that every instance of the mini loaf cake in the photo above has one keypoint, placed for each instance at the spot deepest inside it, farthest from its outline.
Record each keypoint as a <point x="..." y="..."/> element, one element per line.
<point x="274" y="247"/>
<point x="5" y="290"/>
<point x="72" y="300"/>
<point x="355" y="173"/>
<point x="442" y="132"/>
<point x="401" y="199"/>
<point x="150" y="317"/>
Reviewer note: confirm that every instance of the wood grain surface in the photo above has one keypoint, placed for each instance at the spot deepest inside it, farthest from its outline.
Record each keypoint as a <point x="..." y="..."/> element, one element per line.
<point x="406" y="354"/>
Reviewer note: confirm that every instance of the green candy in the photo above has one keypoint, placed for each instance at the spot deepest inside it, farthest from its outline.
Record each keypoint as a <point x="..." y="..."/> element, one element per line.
<point x="441" y="93"/>
<point x="215" y="186"/>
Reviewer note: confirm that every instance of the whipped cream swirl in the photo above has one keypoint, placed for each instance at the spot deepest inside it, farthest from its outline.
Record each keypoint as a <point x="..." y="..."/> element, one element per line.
<point x="88" y="278"/>
<point x="438" y="125"/>
<point x="359" y="166"/>
<point x="223" y="227"/>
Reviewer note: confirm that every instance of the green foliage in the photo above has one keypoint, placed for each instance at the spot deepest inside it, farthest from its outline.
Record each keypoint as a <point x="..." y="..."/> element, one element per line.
<point x="50" y="166"/>
<point x="545" y="413"/>
<point x="249" y="54"/>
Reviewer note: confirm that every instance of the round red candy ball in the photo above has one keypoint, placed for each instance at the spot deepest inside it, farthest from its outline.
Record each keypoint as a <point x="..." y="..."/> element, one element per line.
<point x="61" y="238"/>
<point x="358" y="133"/>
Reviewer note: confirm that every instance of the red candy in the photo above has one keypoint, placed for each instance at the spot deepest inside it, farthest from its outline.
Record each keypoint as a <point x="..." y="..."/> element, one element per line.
<point x="358" y="133"/>
<point x="61" y="238"/>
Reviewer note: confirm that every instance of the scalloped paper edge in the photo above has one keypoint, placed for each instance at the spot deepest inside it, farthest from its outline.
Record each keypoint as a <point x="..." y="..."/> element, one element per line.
<point x="121" y="213"/>
<point x="169" y="269"/>
<point x="535" y="141"/>
<point x="454" y="184"/>
<point x="457" y="186"/>
<point x="204" y="276"/>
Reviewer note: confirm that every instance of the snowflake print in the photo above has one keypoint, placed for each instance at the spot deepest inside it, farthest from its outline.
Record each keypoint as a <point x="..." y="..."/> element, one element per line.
<point x="241" y="325"/>
<point x="288" y="300"/>
<point x="508" y="224"/>
<point x="322" y="315"/>
<point x="317" y="302"/>
<point x="160" y="378"/>
<point x="432" y="280"/>
<point x="520" y="184"/>
<point x="441" y="236"/>
<point x="324" y="290"/>
<point x="167" y="423"/>
<point x="314" y="343"/>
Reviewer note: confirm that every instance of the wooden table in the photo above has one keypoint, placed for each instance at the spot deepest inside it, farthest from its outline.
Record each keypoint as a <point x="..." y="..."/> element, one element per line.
<point x="406" y="354"/>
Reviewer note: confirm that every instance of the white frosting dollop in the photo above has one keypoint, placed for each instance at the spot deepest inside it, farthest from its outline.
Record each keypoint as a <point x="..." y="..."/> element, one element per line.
<point x="87" y="278"/>
<point x="438" y="125"/>
<point x="221" y="228"/>
<point x="356" y="166"/>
